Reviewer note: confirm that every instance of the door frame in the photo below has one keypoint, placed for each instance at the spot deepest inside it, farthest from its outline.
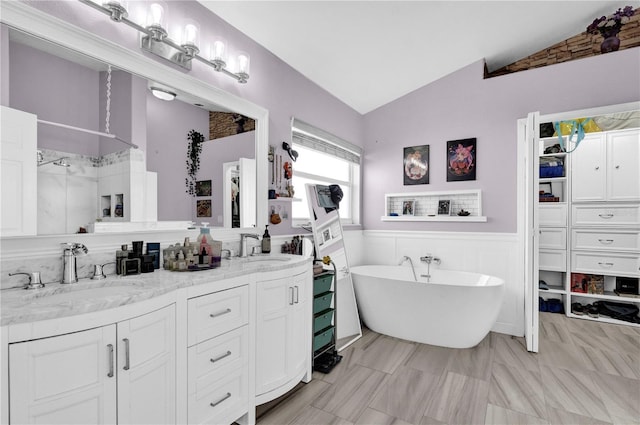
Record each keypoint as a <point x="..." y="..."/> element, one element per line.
<point x="527" y="180"/>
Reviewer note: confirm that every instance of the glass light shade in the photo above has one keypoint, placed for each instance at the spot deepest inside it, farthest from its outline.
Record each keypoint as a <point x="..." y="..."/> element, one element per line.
<point x="242" y="63"/>
<point x="162" y="93"/>
<point x="218" y="50"/>
<point x="156" y="16"/>
<point x="191" y="34"/>
<point x="110" y="3"/>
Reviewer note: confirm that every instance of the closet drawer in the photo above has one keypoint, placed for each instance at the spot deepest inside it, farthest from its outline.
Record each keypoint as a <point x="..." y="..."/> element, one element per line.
<point x="612" y="240"/>
<point x="210" y="360"/>
<point x="222" y="402"/>
<point x="553" y="215"/>
<point x="552" y="260"/>
<point x="214" y="314"/>
<point x="606" y="215"/>
<point x="606" y="263"/>
<point x="553" y="238"/>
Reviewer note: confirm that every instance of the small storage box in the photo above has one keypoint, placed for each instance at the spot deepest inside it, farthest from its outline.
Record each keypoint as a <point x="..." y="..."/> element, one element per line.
<point x="322" y="338"/>
<point x="322" y="284"/>
<point x="322" y="302"/>
<point x="323" y="319"/>
<point x="551" y="168"/>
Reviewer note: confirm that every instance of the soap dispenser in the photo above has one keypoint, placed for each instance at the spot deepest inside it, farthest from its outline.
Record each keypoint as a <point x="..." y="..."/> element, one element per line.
<point x="204" y="244"/>
<point x="266" y="241"/>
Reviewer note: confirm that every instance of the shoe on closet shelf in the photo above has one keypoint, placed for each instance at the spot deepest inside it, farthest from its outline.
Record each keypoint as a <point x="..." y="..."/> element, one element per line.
<point x="542" y="304"/>
<point x="554" y="305"/>
<point x="577" y="308"/>
<point x="592" y="310"/>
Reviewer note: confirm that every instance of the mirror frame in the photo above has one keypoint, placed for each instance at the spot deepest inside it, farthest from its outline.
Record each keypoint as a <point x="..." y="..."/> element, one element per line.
<point x="40" y="24"/>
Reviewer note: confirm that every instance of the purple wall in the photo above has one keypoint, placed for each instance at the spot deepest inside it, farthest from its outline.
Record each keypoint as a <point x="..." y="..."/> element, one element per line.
<point x="61" y="91"/>
<point x="464" y="105"/>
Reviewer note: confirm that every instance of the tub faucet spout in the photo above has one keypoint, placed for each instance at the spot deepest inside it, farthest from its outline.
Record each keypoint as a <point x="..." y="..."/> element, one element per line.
<point x="429" y="258"/>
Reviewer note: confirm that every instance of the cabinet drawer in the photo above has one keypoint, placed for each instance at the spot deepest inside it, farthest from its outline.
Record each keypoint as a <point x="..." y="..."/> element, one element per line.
<point x="553" y="215"/>
<point x="322" y="319"/>
<point x="606" y="215"/>
<point x="612" y="240"/>
<point x="222" y="402"/>
<point x="553" y="237"/>
<point x="323" y="338"/>
<point x="322" y="284"/>
<point x="322" y="302"/>
<point x="606" y="263"/>
<point x="553" y="260"/>
<point x="210" y="360"/>
<point x="214" y="314"/>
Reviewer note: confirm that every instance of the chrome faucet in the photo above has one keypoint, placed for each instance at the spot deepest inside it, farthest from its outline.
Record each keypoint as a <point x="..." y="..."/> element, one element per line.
<point x="406" y="258"/>
<point x="34" y="280"/>
<point x="69" y="265"/>
<point x="429" y="258"/>
<point x="243" y="242"/>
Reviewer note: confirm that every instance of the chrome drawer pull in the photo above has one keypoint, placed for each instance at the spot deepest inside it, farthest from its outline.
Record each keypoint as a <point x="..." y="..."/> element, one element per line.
<point x="291" y="295"/>
<point x="605" y="215"/>
<point x="605" y="241"/>
<point x="297" y="294"/>
<point x="221" y="400"/>
<point x="222" y="313"/>
<point x="220" y="357"/>
<point x="605" y="264"/>
<point x="110" y="354"/>
<point x="126" y="353"/>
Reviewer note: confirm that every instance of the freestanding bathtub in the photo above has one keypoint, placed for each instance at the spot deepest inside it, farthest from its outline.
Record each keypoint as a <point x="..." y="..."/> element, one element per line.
<point x="450" y="309"/>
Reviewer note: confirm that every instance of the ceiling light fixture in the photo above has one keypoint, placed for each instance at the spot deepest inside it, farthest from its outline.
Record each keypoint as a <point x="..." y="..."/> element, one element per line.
<point x="161" y="93"/>
<point x="156" y="40"/>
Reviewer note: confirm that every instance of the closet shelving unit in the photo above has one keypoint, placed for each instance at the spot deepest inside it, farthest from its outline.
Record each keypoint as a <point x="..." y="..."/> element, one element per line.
<point x="596" y="219"/>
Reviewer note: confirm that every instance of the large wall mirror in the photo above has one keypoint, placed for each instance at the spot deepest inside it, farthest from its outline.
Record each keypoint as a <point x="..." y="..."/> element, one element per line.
<point x="63" y="85"/>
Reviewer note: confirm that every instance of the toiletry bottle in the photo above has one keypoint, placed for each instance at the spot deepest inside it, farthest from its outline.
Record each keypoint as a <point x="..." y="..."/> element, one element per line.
<point x="122" y="253"/>
<point x="204" y="244"/>
<point x="266" y="241"/>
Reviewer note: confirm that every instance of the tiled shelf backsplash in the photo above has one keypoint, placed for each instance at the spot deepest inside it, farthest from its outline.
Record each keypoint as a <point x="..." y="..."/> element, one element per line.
<point x="426" y="206"/>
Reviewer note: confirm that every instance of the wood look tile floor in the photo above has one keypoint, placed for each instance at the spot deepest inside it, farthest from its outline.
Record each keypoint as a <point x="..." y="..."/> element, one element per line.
<point x="585" y="373"/>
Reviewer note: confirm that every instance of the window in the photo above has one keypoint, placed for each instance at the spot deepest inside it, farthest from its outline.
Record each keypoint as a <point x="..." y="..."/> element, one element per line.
<point x="325" y="159"/>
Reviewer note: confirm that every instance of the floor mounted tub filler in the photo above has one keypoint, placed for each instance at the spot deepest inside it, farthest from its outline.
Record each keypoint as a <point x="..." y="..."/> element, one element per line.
<point x="447" y="308"/>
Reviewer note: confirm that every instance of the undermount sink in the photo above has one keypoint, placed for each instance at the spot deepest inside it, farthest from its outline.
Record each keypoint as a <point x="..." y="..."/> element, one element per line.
<point x="267" y="258"/>
<point x="78" y="292"/>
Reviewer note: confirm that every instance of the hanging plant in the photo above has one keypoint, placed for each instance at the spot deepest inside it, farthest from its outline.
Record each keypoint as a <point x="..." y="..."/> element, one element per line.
<point x="194" y="149"/>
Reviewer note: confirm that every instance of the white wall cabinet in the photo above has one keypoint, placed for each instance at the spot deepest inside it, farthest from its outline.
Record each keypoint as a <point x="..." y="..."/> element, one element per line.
<point x="283" y="334"/>
<point x="605" y="167"/>
<point x="95" y="377"/>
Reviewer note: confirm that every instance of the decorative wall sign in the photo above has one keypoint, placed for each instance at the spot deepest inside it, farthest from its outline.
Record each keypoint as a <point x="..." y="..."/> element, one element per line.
<point x="461" y="160"/>
<point x="203" y="208"/>
<point x="203" y="188"/>
<point x="416" y="165"/>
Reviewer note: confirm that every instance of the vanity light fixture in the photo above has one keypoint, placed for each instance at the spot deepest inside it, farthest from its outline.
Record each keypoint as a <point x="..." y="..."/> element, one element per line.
<point x="155" y="39"/>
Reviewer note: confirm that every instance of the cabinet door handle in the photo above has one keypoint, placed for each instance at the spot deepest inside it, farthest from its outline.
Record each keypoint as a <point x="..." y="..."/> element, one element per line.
<point x="215" y="403"/>
<point x="617" y="167"/>
<point x="297" y="294"/>
<point x="605" y="215"/>
<point x="222" y="313"/>
<point x="126" y="353"/>
<point x="597" y="167"/>
<point x="220" y="357"/>
<point x="110" y="354"/>
<point x="605" y="241"/>
<point x="602" y="264"/>
<point x="291" y="295"/>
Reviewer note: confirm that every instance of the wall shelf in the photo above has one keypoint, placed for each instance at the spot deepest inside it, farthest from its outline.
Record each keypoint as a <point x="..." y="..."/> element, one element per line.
<point x="426" y="206"/>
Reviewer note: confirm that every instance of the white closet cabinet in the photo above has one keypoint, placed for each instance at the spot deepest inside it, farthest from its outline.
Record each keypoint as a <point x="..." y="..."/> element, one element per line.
<point x="605" y="167"/>
<point x="121" y="373"/>
<point x="283" y="348"/>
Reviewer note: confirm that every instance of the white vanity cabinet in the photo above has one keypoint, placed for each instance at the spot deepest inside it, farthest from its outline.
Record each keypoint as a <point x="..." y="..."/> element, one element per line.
<point x="605" y="167"/>
<point x="283" y="332"/>
<point x="121" y="373"/>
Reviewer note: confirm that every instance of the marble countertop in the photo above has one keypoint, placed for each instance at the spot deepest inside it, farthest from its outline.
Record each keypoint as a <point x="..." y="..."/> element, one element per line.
<point x="56" y="300"/>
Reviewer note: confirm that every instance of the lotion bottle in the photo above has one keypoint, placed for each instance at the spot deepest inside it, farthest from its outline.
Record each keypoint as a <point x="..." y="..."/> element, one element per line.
<point x="266" y="241"/>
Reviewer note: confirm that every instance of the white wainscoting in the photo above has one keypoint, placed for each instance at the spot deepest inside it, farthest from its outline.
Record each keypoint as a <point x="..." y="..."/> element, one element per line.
<point x="494" y="254"/>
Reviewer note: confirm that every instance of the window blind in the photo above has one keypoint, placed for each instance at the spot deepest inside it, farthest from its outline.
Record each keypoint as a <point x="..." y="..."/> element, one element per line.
<point x="306" y="135"/>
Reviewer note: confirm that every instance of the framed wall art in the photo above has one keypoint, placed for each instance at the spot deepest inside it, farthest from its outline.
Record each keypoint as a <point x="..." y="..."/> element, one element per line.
<point x="444" y="207"/>
<point x="203" y="188"/>
<point x="461" y="160"/>
<point x="203" y="208"/>
<point x="408" y="207"/>
<point x="416" y="165"/>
